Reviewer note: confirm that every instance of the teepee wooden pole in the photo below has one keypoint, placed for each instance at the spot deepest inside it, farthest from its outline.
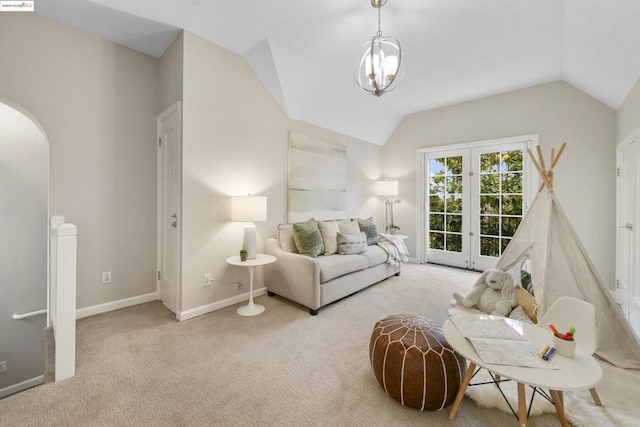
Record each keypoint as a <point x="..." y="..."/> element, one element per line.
<point x="542" y="173"/>
<point x="546" y="175"/>
<point x="555" y="159"/>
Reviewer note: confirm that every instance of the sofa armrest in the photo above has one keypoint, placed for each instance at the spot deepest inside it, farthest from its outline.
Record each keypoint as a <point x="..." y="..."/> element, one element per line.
<point x="293" y="276"/>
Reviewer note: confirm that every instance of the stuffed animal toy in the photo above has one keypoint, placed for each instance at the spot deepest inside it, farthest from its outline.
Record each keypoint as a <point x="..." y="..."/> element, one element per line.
<point x="493" y="293"/>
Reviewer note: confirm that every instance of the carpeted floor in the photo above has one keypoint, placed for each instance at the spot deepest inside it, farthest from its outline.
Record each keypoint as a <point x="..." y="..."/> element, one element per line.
<point x="138" y="366"/>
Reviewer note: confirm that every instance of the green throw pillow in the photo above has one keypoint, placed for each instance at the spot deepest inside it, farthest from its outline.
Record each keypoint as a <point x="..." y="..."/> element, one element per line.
<point x="369" y="228"/>
<point x="308" y="238"/>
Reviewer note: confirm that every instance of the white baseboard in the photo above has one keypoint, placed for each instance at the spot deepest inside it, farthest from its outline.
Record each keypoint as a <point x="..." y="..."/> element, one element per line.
<point x="115" y="305"/>
<point x="21" y="386"/>
<point x="204" y="309"/>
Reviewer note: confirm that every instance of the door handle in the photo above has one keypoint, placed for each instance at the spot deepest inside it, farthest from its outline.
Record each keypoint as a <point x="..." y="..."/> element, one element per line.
<point x="628" y="226"/>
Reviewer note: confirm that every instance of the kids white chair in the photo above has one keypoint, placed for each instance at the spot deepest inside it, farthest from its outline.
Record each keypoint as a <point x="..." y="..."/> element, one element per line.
<point x="566" y="312"/>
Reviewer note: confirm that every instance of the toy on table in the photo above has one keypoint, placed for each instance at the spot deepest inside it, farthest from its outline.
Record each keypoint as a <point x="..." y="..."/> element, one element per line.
<point x="493" y="293"/>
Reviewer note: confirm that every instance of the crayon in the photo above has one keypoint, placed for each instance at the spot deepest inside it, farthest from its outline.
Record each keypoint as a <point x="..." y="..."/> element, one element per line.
<point x="554" y="330"/>
<point x="549" y="353"/>
<point x="544" y="350"/>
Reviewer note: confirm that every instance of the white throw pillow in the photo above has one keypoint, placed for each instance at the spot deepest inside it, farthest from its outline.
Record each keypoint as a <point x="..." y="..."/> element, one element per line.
<point x="329" y="231"/>
<point x="349" y="227"/>
<point x="351" y="244"/>
<point x="285" y="237"/>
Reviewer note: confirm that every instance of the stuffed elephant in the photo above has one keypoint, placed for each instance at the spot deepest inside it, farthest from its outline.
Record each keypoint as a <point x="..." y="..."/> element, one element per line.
<point x="493" y="293"/>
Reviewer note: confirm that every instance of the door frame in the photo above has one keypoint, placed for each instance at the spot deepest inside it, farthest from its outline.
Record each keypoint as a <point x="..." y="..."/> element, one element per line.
<point x="176" y="107"/>
<point x="531" y="141"/>
<point x="623" y="293"/>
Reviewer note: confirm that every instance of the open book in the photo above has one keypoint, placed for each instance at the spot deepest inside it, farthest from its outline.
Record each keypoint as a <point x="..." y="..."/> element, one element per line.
<point x="500" y="341"/>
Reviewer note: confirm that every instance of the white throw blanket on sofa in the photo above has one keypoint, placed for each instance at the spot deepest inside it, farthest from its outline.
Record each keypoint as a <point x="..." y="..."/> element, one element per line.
<point x="394" y="246"/>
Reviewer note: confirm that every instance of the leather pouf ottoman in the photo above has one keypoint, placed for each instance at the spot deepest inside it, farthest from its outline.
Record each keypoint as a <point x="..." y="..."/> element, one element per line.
<point x="414" y="364"/>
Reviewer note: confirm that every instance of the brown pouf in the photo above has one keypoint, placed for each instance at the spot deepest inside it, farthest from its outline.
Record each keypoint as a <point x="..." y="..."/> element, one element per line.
<point x="413" y="362"/>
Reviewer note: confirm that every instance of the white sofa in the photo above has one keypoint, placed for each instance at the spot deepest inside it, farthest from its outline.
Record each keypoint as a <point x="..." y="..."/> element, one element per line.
<point x="316" y="282"/>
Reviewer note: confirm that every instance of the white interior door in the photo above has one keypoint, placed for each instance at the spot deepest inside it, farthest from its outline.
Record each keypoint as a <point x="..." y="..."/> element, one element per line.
<point x="628" y="238"/>
<point x="169" y="204"/>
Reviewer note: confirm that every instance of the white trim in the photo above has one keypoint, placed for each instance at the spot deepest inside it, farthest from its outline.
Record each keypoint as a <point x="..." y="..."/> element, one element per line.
<point x="115" y="305"/>
<point x="204" y="309"/>
<point x="24" y="385"/>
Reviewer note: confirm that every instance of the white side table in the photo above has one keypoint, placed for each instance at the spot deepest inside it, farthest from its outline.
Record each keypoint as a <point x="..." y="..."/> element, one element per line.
<point x="251" y="309"/>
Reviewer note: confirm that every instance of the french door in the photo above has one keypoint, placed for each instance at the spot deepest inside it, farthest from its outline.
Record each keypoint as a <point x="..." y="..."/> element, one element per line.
<point x="474" y="199"/>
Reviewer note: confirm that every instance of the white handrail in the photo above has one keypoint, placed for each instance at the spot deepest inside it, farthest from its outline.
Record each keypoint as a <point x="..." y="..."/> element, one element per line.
<point x="30" y="314"/>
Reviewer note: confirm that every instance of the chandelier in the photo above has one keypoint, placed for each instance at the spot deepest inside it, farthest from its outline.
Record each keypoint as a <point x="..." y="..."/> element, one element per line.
<point x="378" y="62"/>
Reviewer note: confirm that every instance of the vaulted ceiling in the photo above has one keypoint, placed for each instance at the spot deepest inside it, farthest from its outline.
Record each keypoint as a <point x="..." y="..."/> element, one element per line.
<point x="453" y="50"/>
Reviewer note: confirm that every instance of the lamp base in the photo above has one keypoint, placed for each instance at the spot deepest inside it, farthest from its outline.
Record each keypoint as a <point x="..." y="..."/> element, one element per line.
<point x="249" y="241"/>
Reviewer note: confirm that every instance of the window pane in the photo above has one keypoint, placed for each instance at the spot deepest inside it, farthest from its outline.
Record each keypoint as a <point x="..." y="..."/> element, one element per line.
<point x="454" y="223"/>
<point x="454" y="242"/>
<point x="489" y="225"/>
<point x="454" y="165"/>
<point x="512" y="182"/>
<point x="454" y="204"/>
<point x="490" y="162"/>
<point x="490" y="246"/>
<point x="436" y="203"/>
<point x="512" y="205"/>
<point x="436" y="184"/>
<point x="490" y="183"/>
<point x="436" y="222"/>
<point x="436" y="240"/>
<point x="490" y="204"/>
<point x="436" y="166"/>
<point x="512" y="160"/>
<point x="454" y="185"/>
<point x="503" y="244"/>
<point x="509" y="225"/>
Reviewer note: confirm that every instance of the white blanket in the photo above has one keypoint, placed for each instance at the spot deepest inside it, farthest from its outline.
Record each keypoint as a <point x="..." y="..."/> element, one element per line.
<point x="395" y="248"/>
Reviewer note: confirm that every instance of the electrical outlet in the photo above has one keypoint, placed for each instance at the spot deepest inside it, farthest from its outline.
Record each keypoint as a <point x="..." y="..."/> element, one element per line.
<point x="106" y="277"/>
<point x="3" y="366"/>
<point x="207" y="279"/>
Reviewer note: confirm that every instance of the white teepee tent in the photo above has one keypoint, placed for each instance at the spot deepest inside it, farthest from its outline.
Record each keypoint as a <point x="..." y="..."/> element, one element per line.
<point x="559" y="265"/>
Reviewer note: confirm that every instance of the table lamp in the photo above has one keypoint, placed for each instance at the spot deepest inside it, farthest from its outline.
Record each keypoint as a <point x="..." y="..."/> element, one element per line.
<point x="248" y="209"/>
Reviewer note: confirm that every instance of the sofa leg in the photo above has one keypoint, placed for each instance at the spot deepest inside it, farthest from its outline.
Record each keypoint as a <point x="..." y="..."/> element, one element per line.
<point x="313" y="312"/>
<point x="398" y="273"/>
<point x="271" y="294"/>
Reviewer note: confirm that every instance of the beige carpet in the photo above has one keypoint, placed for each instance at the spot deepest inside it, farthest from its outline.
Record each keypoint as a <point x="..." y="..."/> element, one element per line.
<point x="138" y="366"/>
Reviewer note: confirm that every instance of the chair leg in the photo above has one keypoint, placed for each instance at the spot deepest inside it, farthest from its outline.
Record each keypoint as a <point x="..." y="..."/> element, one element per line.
<point x="522" y="406"/>
<point x="557" y="402"/>
<point x="463" y="387"/>
<point x="594" y="395"/>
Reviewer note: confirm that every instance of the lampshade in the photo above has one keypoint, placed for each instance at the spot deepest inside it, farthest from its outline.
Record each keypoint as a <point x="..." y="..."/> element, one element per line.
<point x="386" y="188"/>
<point x="248" y="208"/>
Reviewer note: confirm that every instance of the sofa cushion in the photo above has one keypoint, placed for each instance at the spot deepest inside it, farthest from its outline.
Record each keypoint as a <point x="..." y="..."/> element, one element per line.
<point x="329" y="231"/>
<point x="285" y="237"/>
<point x="333" y="266"/>
<point x="376" y="255"/>
<point x="308" y="238"/>
<point x="351" y="244"/>
<point x="369" y="229"/>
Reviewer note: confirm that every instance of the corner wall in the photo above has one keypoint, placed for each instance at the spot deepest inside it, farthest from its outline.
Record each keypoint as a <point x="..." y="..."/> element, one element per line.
<point x="629" y="114"/>
<point x="235" y="141"/>
<point x="584" y="176"/>
<point x="96" y="100"/>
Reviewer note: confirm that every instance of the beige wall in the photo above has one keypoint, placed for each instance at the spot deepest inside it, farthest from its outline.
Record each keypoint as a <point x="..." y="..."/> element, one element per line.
<point x="234" y="143"/>
<point x="170" y="75"/>
<point x="629" y="113"/>
<point x="585" y="175"/>
<point x="96" y="101"/>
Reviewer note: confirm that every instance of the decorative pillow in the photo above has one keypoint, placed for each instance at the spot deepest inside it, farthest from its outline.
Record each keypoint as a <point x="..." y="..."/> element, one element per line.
<point x="525" y="279"/>
<point x="528" y="303"/>
<point x="351" y="244"/>
<point x="308" y="238"/>
<point x="348" y="227"/>
<point x="329" y="231"/>
<point x="369" y="228"/>
<point x="285" y="237"/>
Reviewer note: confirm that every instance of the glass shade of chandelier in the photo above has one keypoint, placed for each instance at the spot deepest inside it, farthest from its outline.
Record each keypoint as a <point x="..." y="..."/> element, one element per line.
<point x="378" y="66"/>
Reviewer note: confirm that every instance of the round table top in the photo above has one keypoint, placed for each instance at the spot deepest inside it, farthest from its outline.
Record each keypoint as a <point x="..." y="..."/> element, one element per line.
<point x="260" y="259"/>
<point x="580" y="372"/>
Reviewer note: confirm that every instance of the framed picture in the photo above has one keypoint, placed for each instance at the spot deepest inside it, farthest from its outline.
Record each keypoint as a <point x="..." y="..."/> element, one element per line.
<point x="317" y="185"/>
